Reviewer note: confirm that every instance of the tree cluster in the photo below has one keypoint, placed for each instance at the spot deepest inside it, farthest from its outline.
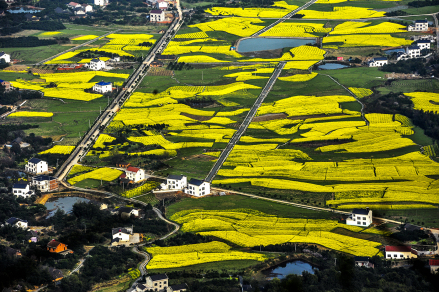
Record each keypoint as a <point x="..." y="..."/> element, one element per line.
<point x="29" y="41"/>
<point x="197" y="102"/>
<point x="418" y="4"/>
<point x="407" y="67"/>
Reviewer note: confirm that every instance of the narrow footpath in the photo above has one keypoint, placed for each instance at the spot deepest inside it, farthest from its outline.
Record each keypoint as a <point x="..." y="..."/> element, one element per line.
<point x="244" y="125"/>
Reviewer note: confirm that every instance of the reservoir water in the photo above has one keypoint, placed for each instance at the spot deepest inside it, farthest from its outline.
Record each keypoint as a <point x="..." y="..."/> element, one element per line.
<point x="23" y="10"/>
<point x="294" y="267"/>
<point x="331" y="66"/>
<point x="265" y="44"/>
<point x="64" y="203"/>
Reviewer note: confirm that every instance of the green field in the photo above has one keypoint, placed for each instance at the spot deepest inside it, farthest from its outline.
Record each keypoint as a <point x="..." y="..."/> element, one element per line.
<point x="229" y="266"/>
<point x="242" y="202"/>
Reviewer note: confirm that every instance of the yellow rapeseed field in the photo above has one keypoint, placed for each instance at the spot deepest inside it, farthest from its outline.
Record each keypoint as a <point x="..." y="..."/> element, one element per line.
<point x="59" y="149"/>
<point x="351" y="27"/>
<point x="421" y="100"/>
<point x="367" y="40"/>
<point x="296" y="29"/>
<point x="31" y="114"/>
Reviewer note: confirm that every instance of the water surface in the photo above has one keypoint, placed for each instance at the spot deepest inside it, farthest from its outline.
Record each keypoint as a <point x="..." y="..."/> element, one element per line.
<point x="295" y="267"/>
<point x="23" y="10"/>
<point x="265" y="44"/>
<point x="331" y="66"/>
<point x="64" y="203"/>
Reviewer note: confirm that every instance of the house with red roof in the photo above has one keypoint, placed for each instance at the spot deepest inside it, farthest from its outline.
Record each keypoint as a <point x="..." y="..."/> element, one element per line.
<point x="134" y="174"/>
<point x="400" y="252"/>
<point x="434" y="265"/>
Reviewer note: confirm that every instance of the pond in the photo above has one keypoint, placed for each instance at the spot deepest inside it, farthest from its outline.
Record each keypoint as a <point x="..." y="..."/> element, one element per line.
<point x="331" y="66"/>
<point x="64" y="203"/>
<point x="23" y="10"/>
<point x="295" y="267"/>
<point x="265" y="44"/>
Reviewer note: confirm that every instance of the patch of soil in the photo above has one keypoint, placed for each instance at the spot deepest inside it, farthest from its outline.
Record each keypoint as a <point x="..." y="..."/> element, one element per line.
<point x="195" y="117"/>
<point x="16" y="68"/>
<point x="269" y="117"/>
<point x="170" y="195"/>
<point x="313" y="116"/>
<point x="264" y="54"/>
<point x="201" y="157"/>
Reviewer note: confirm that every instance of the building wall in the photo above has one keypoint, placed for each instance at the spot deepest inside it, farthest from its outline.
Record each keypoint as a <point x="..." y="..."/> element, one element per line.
<point x="399" y="255"/>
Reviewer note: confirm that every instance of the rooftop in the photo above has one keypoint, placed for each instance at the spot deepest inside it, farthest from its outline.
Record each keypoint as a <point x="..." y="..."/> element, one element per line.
<point x="102" y="83"/>
<point x="159" y="277"/>
<point x="176" y="177"/>
<point x="361" y="259"/>
<point x="133" y="169"/>
<point x="34" y="160"/>
<point x="14" y="220"/>
<point x="433" y="262"/>
<point x="402" y="248"/>
<point x="119" y="229"/>
<point x="360" y="211"/>
<point x="414" y="48"/>
<point x="156" y="11"/>
<point x="380" y="59"/>
<point x="53" y="243"/>
<point x="43" y="177"/>
<point x="196" y="182"/>
<point x="19" y="186"/>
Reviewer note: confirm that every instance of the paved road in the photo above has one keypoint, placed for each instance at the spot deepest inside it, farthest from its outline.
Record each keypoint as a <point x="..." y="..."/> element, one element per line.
<point x="75" y="48"/>
<point x="244" y="125"/>
<point x="107" y="115"/>
<point x="288" y="16"/>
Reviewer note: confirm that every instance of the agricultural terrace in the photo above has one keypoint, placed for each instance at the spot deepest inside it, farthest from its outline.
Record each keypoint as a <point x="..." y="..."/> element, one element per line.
<point x="124" y="45"/>
<point x="249" y="228"/>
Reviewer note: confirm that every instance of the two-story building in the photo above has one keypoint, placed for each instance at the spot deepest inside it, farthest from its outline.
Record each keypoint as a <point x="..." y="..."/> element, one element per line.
<point x="197" y="188"/>
<point x="6" y="84"/>
<point x="156" y="283"/>
<point x="5" y="57"/>
<point x="419" y="25"/>
<point x="399" y="252"/>
<point x="96" y="64"/>
<point x="45" y="183"/>
<point x="134" y="174"/>
<point x="102" y="87"/>
<point x="378" y="62"/>
<point x="360" y="217"/>
<point x="176" y="182"/>
<point x="73" y="5"/>
<point x="128" y="210"/>
<point x="36" y="166"/>
<point x="19" y="223"/>
<point x="413" y="51"/>
<point x="22" y="190"/>
<point x="157" y="15"/>
<point x="423" y="44"/>
<point x="87" y="7"/>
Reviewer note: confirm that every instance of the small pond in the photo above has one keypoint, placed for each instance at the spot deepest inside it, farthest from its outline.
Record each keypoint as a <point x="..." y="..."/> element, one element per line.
<point x="64" y="203"/>
<point x="23" y="10"/>
<point x="265" y="44"/>
<point x="389" y="52"/>
<point x="294" y="267"/>
<point x="331" y="66"/>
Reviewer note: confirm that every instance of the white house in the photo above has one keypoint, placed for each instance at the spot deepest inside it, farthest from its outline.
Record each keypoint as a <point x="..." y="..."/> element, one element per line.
<point x="79" y="11"/>
<point x="102" y="87"/>
<point x="434" y="266"/>
<point x="96" y="64"/>
<point x="197" y="188"/>
<point x="5" y="57"/>
<point x="101" y="2"/>
<point x="423" y="44"/>
<point x="45" y="183"/>
<point x="36" y="166"/>
<point x="161" y="4"/>
<point x="360" y="217"/>
<point x="399" y="252"/>
<point x="176" y="182"/>
<point x="22" y="189"/>
<point x="87" y="7"/>
<point x="73" y="5"/>
<point x="135" y="174"/>
<point x="121" y="234"/>
<point x="17" y="222"/>
<point x="413" y="51"/>
<point x="363" y="262"/>
<point x="378" y="62"/>
<point x="156" y="15"/>
<point x="419" y="25"/>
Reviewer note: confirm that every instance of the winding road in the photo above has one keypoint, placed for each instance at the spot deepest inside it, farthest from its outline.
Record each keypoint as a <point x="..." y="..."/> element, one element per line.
<point x="244" y="125"/>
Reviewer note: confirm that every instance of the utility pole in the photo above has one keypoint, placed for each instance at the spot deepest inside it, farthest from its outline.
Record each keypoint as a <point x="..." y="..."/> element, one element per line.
<point x="202" y="77"/>
<point x="89" y="123"/>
